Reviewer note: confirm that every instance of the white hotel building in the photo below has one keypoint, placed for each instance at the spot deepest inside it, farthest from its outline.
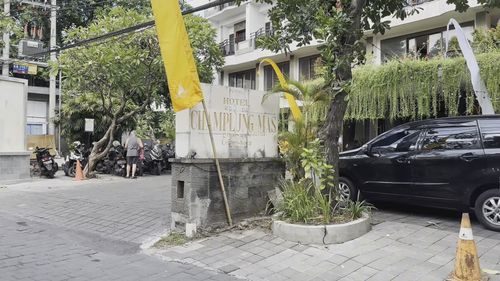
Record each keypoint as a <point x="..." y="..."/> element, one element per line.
<point x="239" y="26"/>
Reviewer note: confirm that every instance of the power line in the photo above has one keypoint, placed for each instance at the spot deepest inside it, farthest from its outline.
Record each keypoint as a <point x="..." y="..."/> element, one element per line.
<point x="75" y="8"/>
<point x="128" y="29"/>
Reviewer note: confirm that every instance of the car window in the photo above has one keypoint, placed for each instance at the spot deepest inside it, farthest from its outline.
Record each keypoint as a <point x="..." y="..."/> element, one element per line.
<point x="490" y="129"/>
<point x="451" y="138"/>
<point x="403" y="140"/>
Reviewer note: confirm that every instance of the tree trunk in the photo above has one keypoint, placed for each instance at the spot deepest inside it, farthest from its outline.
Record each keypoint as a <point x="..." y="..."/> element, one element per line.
<point x="341" y="75"/>
<point x="100" y="149"/>
<point x="332" y="130"/>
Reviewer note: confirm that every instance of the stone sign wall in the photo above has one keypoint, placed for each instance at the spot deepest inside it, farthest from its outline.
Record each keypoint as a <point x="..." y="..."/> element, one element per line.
<point x="245" y="130"/>
<point x="244" y="126"/>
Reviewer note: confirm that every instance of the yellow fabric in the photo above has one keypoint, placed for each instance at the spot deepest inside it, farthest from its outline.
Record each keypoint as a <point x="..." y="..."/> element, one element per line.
<point x="182" y="75"/>
<point x="297" y="114"/>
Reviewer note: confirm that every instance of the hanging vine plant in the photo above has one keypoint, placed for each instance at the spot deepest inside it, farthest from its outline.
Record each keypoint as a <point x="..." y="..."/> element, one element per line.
<point x="419" y="89"/>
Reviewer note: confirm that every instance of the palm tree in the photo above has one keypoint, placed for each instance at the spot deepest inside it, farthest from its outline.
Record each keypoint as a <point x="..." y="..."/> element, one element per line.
<point x="315" y="101"/>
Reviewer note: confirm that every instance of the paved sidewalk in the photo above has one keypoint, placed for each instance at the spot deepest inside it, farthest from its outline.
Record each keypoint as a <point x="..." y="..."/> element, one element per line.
<point x="112" y="206"/>
<point x="53" y="230"/>
<point x="393" y="250"/>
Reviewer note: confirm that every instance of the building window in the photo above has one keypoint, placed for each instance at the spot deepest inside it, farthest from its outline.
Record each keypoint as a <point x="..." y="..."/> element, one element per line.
<point x="244" y="79"/>
<point x="422" y="45"/>
<point x="270" y="78"/>
<point x="34" y="129"/>
<point x="240" y="32"/>
<point x="307" y="67"/>
<point x="392" y="48"/>
<point x="268" y="29"/>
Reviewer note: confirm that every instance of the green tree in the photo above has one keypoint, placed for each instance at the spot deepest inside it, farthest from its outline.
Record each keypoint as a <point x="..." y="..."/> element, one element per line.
<point x="8" y="24"/>
<point x="206" y="51"/>
<point x="76" y="13"/>
<point x="487" y="40"/>
<point x="339" y="26"/>
<point x="156" y="125"/>
<point x="116" y="81"/>
<point x="314" y="103"/>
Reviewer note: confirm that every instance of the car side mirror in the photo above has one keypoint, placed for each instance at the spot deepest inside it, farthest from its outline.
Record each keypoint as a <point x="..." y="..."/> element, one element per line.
<point x="369" y="151"/>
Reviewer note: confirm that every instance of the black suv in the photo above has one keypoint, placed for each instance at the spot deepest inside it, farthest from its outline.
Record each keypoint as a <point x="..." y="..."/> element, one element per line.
<point x="451" y="163"/>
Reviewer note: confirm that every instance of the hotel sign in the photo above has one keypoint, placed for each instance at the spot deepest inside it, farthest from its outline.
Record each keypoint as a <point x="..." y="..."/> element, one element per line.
<point x="243" y="125"/>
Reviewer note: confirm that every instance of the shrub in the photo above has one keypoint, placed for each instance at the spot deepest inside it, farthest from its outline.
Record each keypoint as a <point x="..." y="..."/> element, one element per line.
<point x="298" y="205"/>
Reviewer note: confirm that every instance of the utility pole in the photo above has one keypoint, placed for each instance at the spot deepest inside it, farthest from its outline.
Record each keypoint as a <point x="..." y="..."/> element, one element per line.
<point x="6" y="41"/>
<point x="53" y="58"/>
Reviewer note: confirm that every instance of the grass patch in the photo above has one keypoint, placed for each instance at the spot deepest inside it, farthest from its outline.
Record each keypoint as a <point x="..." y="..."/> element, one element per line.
<point x="173" y="239"/>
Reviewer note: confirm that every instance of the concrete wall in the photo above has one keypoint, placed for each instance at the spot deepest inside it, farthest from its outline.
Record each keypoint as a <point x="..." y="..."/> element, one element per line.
<point x="13" y="98"/>
<point x="196" y="193"/>
<point x="14" y="159"/>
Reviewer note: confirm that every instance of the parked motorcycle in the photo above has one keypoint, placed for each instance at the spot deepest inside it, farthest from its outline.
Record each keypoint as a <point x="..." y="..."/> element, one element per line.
<point x="107" y="165"/>
<point x="78" y="153"/>
<point x="45" y="164"/>
<point x="168" y="152"/>
<point x="120" y="166"/>
<point x="153" y="158"/>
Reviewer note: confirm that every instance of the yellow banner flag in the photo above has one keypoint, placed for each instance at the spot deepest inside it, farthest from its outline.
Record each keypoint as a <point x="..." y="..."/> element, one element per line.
<point x="297" y="114"/>
<point x="182" y="75"/>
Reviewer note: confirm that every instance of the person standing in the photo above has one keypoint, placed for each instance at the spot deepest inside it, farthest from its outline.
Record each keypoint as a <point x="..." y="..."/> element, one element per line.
<point x="132" y="144"/>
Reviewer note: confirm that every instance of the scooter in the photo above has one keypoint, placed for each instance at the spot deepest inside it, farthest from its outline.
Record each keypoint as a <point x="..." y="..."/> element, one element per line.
<point x="153" y="159"/>
<point x="120" y="167"/>
<point x="78" y="153"/>
<point x="168" y="152"/>
<point x="107" y="165"/>
<point x="45" y="164"/>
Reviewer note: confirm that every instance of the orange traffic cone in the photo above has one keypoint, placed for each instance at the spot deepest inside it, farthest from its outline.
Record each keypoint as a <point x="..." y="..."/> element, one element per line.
<point x="467" y="261"/>
<point x="79" y="172"/>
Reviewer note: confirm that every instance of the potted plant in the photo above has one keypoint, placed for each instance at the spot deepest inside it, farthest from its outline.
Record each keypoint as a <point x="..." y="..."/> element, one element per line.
<point x="312" y="209"/>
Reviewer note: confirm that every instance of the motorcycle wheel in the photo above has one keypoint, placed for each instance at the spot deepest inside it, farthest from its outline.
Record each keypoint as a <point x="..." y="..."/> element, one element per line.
<point x="71" y="170"/>
<point x="65" y="168"/>
<point x="117" y="171"/>
<point x="35" y="170"/>
<point x="158" y="169"/>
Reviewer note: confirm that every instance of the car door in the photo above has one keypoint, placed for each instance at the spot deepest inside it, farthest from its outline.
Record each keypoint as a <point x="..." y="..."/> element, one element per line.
<point x="387" y="170"/>
<point x="490" y="132"/>
<point x="445" y="164"/>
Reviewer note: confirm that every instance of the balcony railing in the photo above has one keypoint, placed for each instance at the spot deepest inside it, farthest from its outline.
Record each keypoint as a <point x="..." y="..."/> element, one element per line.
<point x="219" y="8"/>
<point x="227" y="47"/>
<point x="223" y="6"/>
<point x="230" y="47"/>
<point x="263" y="32"/>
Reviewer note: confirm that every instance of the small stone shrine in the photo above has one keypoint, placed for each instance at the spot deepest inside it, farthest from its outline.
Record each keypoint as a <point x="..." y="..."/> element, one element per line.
<point x="245" y="130"/>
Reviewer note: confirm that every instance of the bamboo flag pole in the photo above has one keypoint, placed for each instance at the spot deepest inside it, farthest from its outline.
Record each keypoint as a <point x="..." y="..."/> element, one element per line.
<point x="180" y="66"/>
<point x="223" y="189"/>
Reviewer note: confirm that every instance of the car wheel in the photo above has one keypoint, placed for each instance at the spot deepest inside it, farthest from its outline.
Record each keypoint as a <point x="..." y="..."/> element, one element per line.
<point x="347" y="189"/>
<point x="487" y="209"/>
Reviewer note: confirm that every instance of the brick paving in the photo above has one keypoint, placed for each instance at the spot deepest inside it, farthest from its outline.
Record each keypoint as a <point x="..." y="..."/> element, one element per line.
<point x="403" y="245"/>
<point x="93" y="230"/>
